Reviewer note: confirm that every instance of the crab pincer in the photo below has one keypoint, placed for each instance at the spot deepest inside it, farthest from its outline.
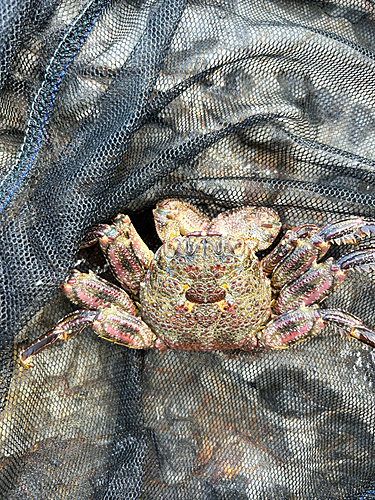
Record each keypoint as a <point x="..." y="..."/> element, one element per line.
<point x="175" y="217"/>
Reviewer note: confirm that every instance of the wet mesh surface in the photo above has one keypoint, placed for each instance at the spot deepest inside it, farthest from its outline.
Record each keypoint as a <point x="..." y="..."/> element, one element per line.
<point x="108" y="107"/>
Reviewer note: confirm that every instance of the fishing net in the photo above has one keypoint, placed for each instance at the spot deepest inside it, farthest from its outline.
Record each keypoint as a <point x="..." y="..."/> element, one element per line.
<point x="108" y="107"/>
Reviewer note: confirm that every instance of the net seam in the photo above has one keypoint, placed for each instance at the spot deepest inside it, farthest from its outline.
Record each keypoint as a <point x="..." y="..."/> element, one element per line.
<point x="32" y="123"/>
<point x="367" y="495"/>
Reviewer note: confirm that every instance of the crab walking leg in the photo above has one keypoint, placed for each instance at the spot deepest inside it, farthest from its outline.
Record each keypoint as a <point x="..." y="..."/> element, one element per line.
<point x="138" y="246"/>
<point x="286" y="245"/>
<point x="350" y="324"/>
<point x="126" y="255"/>
<point x="125" y="251"/>
<point x="64" y="330"/>
<point x="92" y="292"/>
<point x="117" y="326"/>
<point x="93" y="236"/>
<point x="121" y="225"/>
<point x="304" y="323"/>
<point x="295" y="254"/>
<point x="111" y="323"/>
<point x="320" y="280"/>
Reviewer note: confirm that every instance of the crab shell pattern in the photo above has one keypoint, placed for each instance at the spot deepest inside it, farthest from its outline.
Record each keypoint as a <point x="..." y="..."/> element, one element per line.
<point x="205" y="291"/>
<point x="205" y="288"/>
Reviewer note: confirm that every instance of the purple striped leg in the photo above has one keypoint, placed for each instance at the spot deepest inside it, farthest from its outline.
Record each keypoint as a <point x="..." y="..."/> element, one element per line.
<point x="108" y="310"/>
<point x="126" y="253"/>
<point x="303" y="246"/>
<point x="111" y="323"/>
<point x="320" y="280"/>
<point x="306" y="322"/>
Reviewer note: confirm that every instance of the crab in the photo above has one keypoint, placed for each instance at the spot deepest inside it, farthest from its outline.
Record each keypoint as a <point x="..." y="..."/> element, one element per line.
<point x="205" y="288"/>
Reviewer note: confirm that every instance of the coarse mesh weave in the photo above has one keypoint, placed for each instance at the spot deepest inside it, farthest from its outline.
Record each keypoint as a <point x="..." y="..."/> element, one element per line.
<point x="108" y="107"/>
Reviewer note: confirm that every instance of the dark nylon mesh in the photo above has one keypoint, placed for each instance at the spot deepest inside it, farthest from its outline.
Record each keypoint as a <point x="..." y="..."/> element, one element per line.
<point x="108" y="107"/>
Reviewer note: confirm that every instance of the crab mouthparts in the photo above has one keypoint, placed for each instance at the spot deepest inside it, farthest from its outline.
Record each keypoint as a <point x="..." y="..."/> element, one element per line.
<point x="201" y="296"/>
<point x="204" y="233"/>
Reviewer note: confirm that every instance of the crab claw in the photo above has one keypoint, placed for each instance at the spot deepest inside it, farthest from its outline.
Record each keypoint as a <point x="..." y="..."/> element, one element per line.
<point x="258" y="226"/>
<point x="177" y="218"/>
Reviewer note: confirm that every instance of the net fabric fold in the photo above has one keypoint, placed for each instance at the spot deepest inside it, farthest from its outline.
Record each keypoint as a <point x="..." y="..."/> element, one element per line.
<point x="107" y="107"/>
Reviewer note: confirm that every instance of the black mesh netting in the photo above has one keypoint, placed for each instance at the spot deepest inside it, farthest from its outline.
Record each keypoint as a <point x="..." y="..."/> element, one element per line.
<point x="108" y="107"/>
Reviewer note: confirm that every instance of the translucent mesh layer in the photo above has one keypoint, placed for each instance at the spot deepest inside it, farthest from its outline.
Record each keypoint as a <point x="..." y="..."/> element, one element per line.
<point x="108" y="107"/>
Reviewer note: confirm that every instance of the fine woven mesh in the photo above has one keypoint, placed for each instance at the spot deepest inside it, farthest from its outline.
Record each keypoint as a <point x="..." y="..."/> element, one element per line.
<point x="108" y="107"/>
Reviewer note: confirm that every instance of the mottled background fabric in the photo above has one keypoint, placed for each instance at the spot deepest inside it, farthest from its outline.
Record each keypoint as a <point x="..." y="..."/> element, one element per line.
<point x="107" y="107"/>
